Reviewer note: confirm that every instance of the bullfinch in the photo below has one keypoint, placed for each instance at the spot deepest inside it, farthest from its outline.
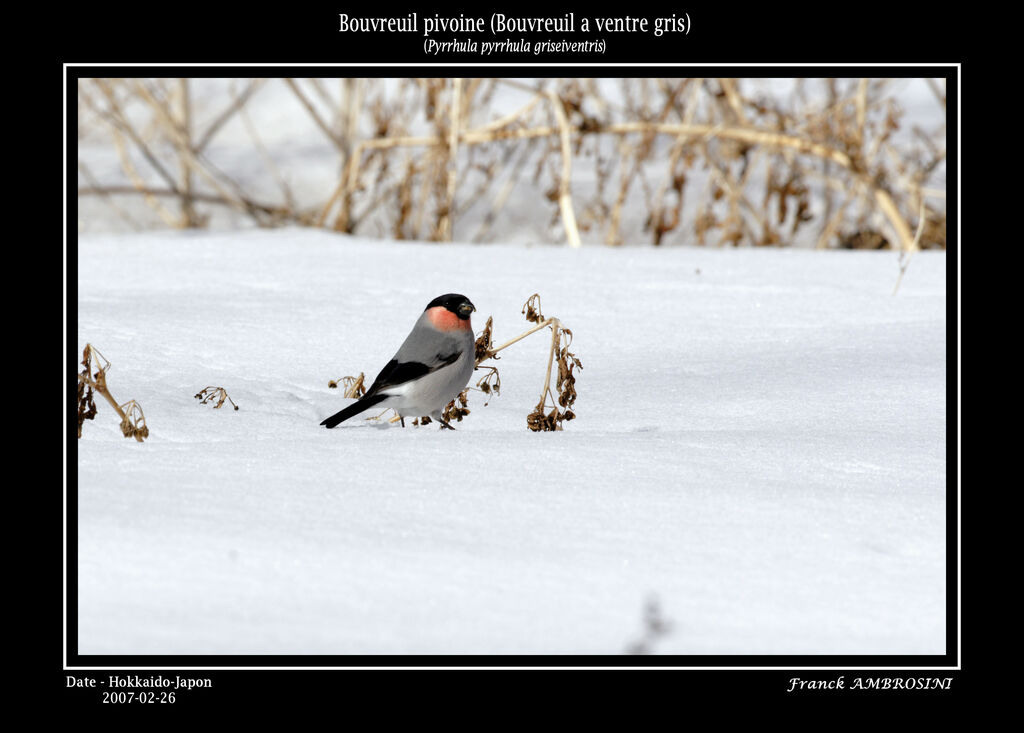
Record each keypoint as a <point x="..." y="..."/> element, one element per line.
<point x="430" y="368"/>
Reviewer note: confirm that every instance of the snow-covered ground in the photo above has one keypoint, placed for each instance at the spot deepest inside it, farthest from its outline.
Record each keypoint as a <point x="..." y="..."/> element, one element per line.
<point x="760" y="446"/>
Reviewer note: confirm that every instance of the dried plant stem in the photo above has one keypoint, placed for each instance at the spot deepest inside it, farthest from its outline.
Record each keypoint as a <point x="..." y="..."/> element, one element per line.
<point x="907" y="254"/>
<point x="556" y="332"/>
<point x="499" y="200"/>
<point x="354" y="98"/>
<point x="109" y="398"/>
<point x="188" y="213"/>
<point x="186" y="152"/>
<point x="268" y="162"/>
<point x="723" y="176"/>
<point x="748" y="135"/>
<point x="832" y="226"/>
<point x="742" y="134"/>
<point x="107" y="196"/>
<point x="735" y="104"/>
<point x="349" y="182"/>
<point x="572" y="233"/>
<point x="488" y="133"/>
<point x="138" y="185"/>
<point x="612" y="234"/>
<point x="555" y="335"/>
<point x="862" y="108"/>
<point x="421" y="209"/>
<point x="115" y="117"/>
<point x="445" y="223"/>
<point x="940" y="94"/>
<point x="678" y="145"/>
<point x="150" y="193"/>
<point x="520" y="337"/>
<point x="236" y="104"/>
<point x="120" y="128"/>
<point x="511" y="116"/>
<point x="324" y="127"/>
<point x="908" y="242"/>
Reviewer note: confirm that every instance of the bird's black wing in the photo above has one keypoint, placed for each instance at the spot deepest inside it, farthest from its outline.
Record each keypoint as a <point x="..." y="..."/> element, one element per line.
<point x="396" y="372"/>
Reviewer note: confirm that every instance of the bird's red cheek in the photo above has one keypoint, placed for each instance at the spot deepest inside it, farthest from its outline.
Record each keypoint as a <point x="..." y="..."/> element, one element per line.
<point x="444" y="320"/>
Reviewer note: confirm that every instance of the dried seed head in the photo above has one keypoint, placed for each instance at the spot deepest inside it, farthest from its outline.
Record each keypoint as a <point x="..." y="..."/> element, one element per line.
<point x="86" y="405"/>
<point x="354" y="386"/>
<point x="482" y="347"/>
<point x="535" y="420"/>
<point x="133" y="424"/>
<point x="539" y="421"/>
<point x="490" y="383"/>
<point x="208" y="394"/>
<point x="86" y="402"/>
<point x="457" y="412"/>
<point x="566" y="382"/>
<point x="532" y="309"/>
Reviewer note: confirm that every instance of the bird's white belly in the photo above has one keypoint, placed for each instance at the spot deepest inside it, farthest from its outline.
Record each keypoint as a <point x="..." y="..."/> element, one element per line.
<point x="432" y="392"/>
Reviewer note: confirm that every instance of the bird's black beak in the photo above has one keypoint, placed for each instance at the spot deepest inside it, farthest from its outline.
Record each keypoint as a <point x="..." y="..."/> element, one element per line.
<point x="466" y="308"/>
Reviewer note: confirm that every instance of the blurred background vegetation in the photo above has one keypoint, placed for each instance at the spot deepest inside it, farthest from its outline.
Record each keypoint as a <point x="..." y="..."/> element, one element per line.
<point x="825" y="163"/>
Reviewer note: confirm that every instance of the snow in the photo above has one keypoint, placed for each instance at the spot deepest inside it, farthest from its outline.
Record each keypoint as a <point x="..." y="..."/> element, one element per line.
<point x="760" y="447"/>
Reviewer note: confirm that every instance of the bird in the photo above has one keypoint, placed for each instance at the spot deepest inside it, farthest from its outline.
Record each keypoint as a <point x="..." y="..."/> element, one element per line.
<point x="430" y="368"/>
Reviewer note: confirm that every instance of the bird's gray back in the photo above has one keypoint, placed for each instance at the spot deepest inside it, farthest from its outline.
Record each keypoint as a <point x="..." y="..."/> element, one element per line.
<point x="425" y="343"/>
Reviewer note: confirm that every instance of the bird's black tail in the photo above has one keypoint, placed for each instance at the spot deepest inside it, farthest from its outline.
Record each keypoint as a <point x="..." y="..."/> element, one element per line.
<point x="364" y="403"/>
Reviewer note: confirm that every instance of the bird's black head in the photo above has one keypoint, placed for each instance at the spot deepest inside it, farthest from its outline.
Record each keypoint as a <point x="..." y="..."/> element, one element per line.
<point x="460" y="305"/>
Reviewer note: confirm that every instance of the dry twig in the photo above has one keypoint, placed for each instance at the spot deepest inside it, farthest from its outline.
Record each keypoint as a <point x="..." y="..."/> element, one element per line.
<point x="208" y="394"/>
<point x="93" y="378"/>
<point x="354" y="386"/>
